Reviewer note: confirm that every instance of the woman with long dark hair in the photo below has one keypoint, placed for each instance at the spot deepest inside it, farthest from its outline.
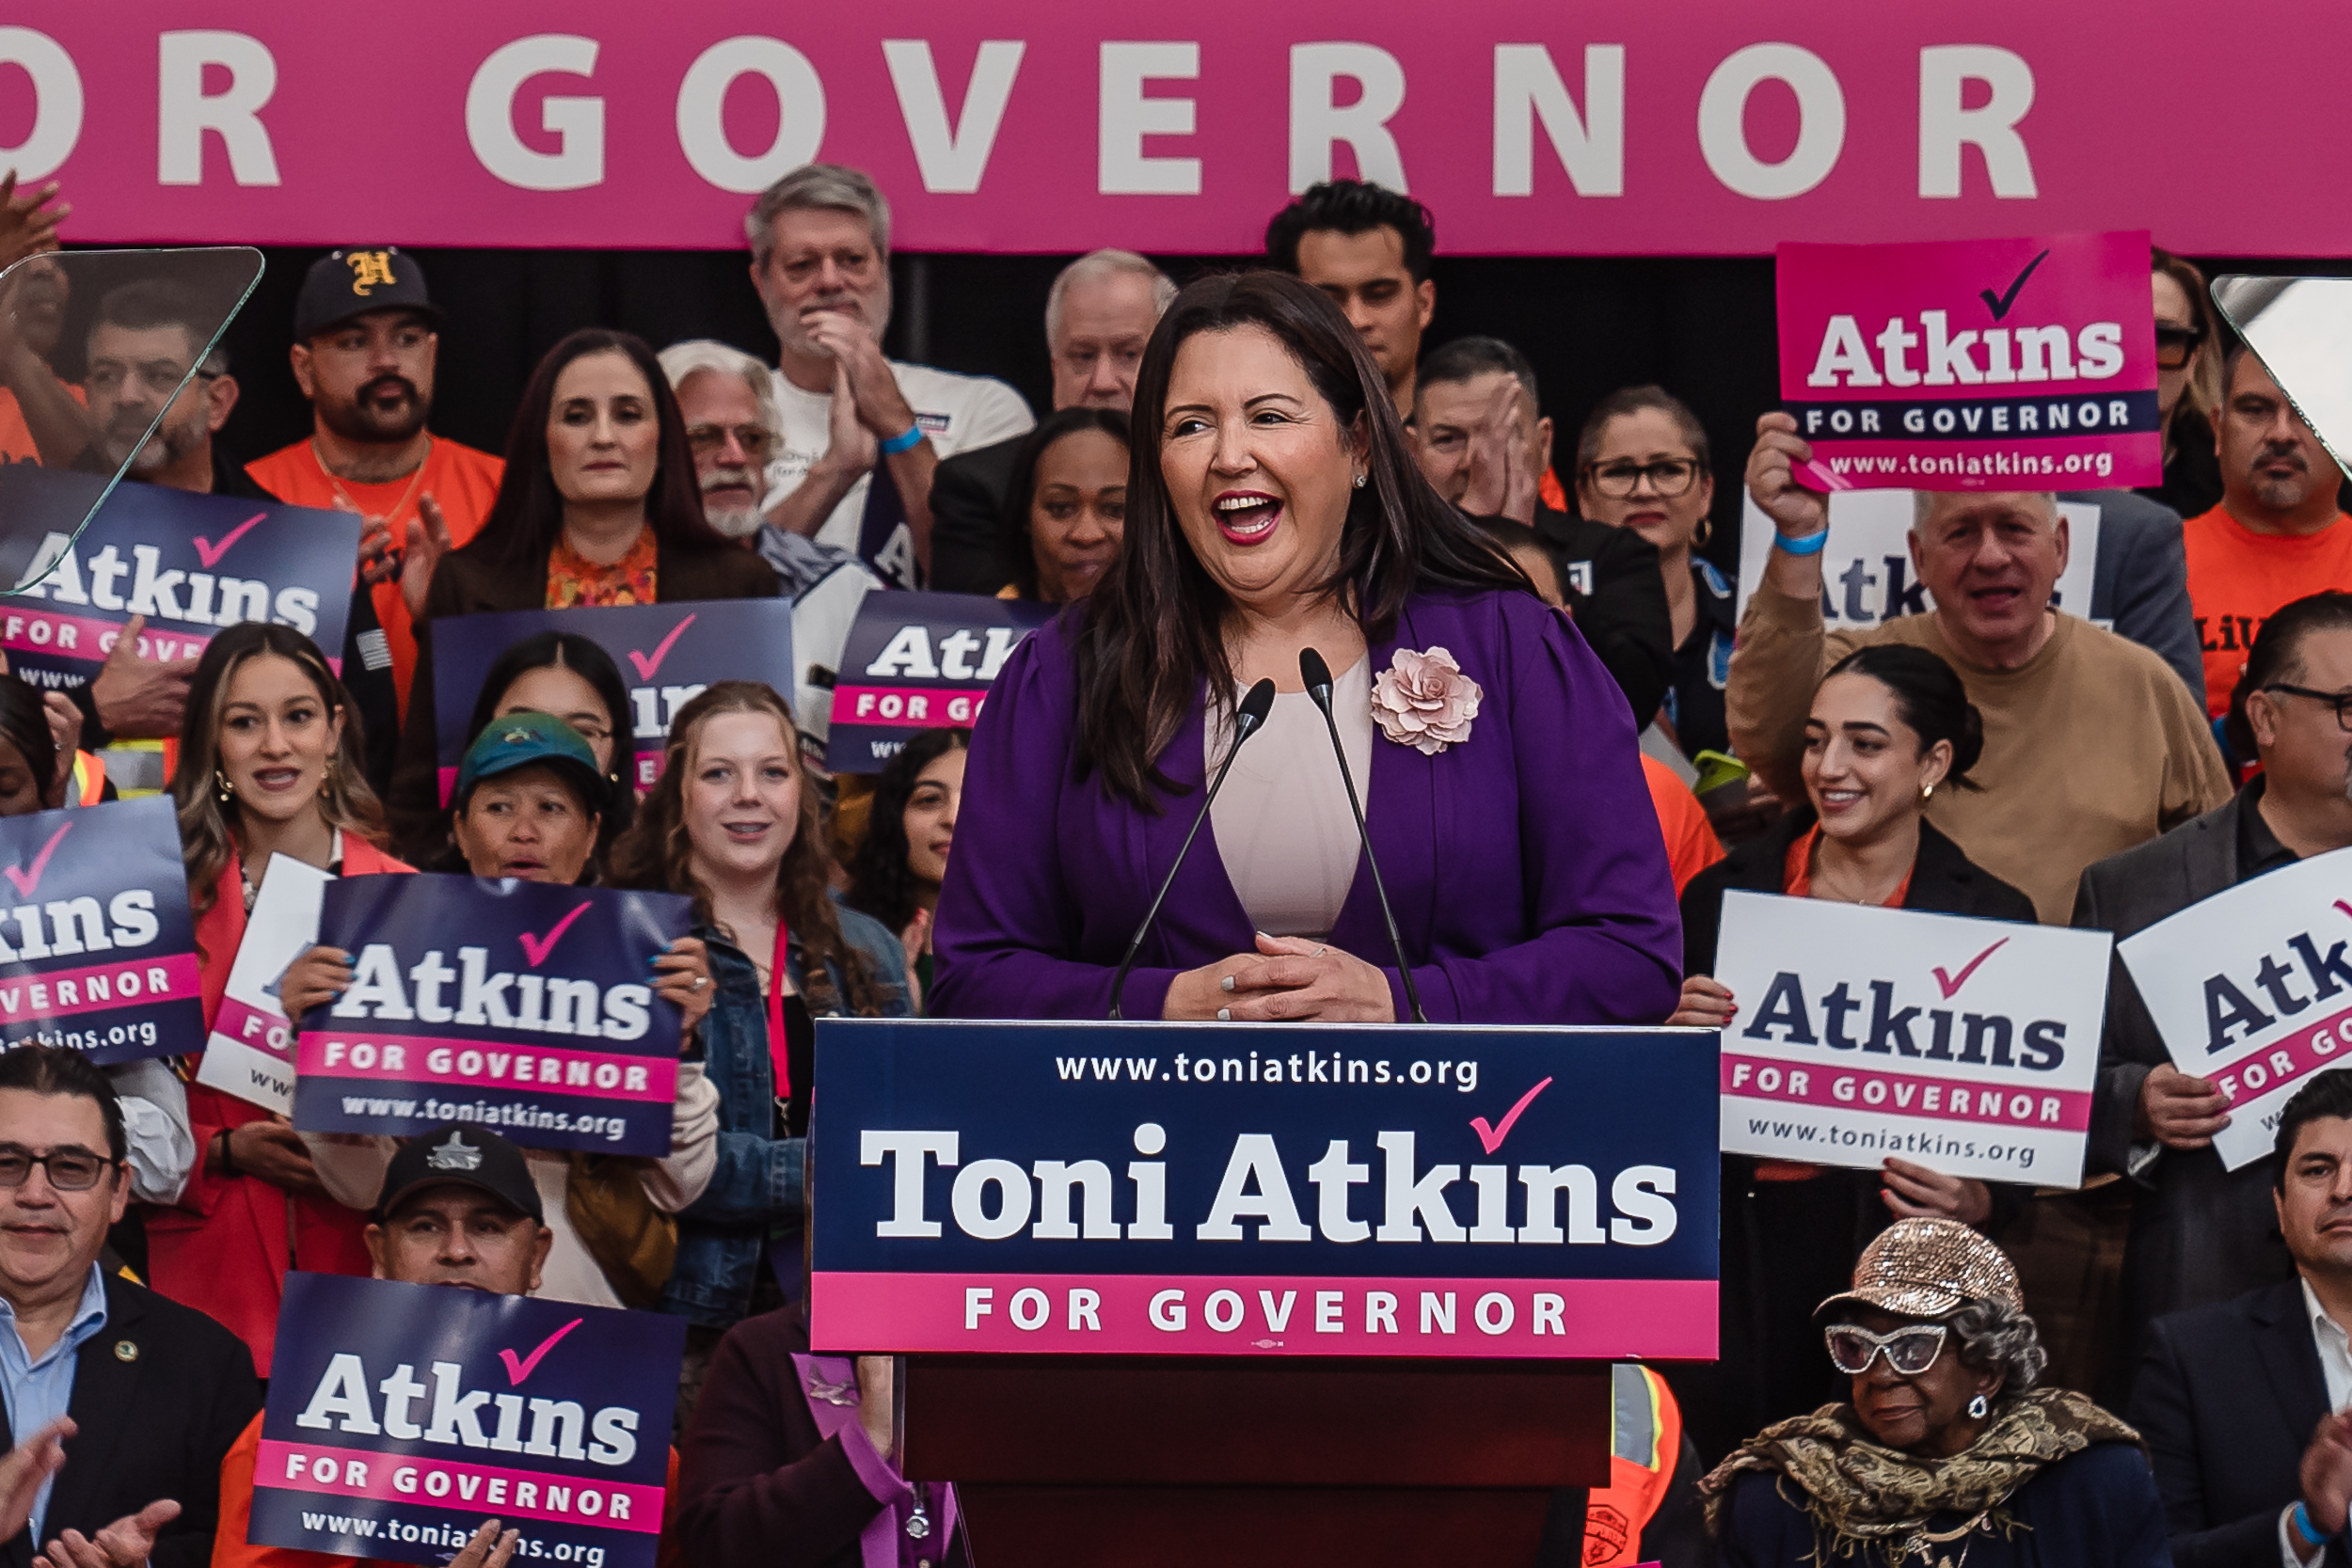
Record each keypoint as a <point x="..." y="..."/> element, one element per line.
<point x="1067" y="504"/>
<point x="902" y="859"/>
<point x="1273" y="507"/>
<point x="733" y="824"/>
<point x="599" y="506"/>
<point x="270" y="764"/>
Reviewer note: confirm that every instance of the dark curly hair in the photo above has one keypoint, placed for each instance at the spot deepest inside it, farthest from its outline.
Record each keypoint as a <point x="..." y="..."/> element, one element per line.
<point x="881" y="883"/>
<point x="657" y="854"/>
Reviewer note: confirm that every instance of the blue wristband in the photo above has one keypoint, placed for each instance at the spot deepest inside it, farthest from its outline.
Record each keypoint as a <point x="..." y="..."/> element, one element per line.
<point x="2305" y="1528"/>
<point x="907" y="442"/>
<point x="1810" y="544"/>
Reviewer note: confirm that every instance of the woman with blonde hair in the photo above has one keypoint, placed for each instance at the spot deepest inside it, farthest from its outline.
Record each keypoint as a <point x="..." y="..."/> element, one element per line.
<point x="270" y="764"/>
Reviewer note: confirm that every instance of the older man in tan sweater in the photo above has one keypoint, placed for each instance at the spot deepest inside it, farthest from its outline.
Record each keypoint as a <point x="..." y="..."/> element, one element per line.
<point x="2091" y="744"/>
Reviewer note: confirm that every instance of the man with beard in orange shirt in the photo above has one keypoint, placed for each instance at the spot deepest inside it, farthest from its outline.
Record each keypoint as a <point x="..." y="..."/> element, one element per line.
<point x="366" y="342"/>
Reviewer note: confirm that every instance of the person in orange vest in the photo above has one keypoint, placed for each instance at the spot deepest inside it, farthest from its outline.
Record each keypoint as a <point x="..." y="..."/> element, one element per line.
<point x="1649" y="1512"/>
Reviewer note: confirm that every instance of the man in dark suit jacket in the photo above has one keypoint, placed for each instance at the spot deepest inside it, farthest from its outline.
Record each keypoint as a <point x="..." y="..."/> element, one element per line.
<point x="156" y="1392"/>
<point x="1098" y="317"/>
<point x="2139" y="579"/>
<point x="2232" y="1396"/>
<point x="2198" y="1233"/>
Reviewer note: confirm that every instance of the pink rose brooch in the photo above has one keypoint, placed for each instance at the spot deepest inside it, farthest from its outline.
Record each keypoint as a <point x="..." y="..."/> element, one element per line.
<point x="1422" y="700"/>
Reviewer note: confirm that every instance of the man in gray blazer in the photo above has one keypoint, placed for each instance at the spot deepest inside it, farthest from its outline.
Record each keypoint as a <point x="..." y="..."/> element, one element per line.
<point x="2139" y="579"/>
<point x="2199" y="1233"/>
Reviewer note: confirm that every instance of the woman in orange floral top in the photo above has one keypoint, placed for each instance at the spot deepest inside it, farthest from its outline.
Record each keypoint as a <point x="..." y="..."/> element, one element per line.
<point x="600" y="506"/>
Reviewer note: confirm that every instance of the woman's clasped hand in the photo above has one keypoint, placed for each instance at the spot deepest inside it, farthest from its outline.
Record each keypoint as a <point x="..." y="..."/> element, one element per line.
<point x="1287" y="980"/>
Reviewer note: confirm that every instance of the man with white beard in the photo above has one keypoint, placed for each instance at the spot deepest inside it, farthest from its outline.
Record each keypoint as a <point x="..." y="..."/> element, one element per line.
<point x="729" y="402"/>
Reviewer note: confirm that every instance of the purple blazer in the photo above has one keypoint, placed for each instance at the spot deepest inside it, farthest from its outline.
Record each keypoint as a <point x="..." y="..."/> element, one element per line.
<point x="1525" y="865"/>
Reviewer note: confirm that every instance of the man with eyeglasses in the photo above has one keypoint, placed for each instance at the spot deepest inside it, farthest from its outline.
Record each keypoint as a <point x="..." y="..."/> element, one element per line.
<point x="366" y="353"/>
<point x="1099" y="315"/>
<point x="863" y="434"/>
<point x="156" y="1392"/>
<point x="2277" y="534"/>
<point x="1480" y="443"/>
<point x="2199" y="1233"/>
<point x="727" y="399"/>
<point x="139" y="351"/>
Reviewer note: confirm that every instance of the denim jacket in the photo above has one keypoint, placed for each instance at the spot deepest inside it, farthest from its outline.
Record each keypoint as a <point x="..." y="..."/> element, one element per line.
<point x="757" y="1184"/>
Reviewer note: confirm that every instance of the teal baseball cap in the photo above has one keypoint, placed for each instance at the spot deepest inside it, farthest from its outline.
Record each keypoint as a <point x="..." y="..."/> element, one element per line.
<point x="530" y="740"/>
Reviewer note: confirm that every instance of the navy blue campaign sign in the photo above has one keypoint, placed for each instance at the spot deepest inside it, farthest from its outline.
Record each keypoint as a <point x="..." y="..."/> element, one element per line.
<point x="665" y="652"/>
<point x="96" y="951"/>
<point x="400" y="1416"/>
<point x="1181" y="1189"/>
<point x="193" y="564"/>
<point x="526" y="1007"/>
<point x="914" y="661"/>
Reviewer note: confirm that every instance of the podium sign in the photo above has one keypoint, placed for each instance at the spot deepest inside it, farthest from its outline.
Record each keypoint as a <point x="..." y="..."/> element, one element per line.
<point x="1362" y="1191"/>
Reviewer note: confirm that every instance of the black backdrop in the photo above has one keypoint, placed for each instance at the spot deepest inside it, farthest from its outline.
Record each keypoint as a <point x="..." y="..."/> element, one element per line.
<point x="1700" y="327"/>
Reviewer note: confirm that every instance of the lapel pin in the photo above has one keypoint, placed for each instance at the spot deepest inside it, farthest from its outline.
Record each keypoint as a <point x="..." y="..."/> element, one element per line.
<point x="126" y="1350"/>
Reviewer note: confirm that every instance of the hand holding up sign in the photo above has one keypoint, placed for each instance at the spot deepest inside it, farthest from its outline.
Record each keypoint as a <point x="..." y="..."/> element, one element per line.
<point x="1706" y="1004"/>
<point x="1794" y="510"/>
<point x="2178" y="1111"/>
<point x="1916" y="1193"/>
<point x="682" y="978"/>
<point x="140" y="698"/>
<point x="488" y="1548"/>
<point x="128" y="1543"/>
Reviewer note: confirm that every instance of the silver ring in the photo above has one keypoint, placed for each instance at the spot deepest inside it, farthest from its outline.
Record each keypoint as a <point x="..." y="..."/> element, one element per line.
<point x="701" y="980"/>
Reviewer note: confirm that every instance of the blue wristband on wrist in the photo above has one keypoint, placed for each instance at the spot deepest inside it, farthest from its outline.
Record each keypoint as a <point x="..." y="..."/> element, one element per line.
<point x="1810" y="544"/>
<point x="907" y="442"/>
<point x="2304" y="1525"/>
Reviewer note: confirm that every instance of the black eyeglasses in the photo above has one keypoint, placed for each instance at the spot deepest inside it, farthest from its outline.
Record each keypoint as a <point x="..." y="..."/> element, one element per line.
<point x="1668" y="478"/>
<point x="70" y="1169"/>
<point x="2339" y="701"/>
<point x="2176" y="345"/>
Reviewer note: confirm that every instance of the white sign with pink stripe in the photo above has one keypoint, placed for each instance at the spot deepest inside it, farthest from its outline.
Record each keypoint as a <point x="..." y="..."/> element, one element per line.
<point x="250" y="1051"/>
<point x="1967" y="1046"/>
<point x="2252" y="991"/>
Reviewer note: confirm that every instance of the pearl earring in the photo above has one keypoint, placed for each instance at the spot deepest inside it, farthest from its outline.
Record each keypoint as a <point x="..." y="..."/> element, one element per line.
<point x="1361" y="480"/>
<point x="220" y="782"/>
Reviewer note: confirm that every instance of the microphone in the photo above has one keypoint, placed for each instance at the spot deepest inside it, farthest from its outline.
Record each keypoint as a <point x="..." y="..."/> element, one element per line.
<point x="1317" y="675"/>
<point x="1247" y="720"/>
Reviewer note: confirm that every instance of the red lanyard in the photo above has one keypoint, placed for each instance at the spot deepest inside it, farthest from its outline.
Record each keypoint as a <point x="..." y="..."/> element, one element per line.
<point x="777" y="1047"/>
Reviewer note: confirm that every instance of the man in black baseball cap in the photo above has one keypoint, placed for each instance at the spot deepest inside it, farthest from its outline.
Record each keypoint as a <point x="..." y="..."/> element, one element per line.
<point x="367" y="343"/>
<point x="459" y="1208"/>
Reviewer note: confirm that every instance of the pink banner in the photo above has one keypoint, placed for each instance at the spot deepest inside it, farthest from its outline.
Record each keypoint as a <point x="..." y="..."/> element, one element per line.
<point x="265" y="1032"/>
<point x="1017" y="125"/>
<point x="1907" y="1094"/>
<point x="1602" y="1320"/>
<point x="914" y="707"/>
<point x="323" y="1471"/>
<point x="61" y="993"/>
<point x="2025" y="364"/>
<point x="433" y="1060"/>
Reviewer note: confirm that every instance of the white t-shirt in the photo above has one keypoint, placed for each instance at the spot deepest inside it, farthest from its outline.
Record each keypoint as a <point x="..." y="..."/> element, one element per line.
<point x="957" y="412"/>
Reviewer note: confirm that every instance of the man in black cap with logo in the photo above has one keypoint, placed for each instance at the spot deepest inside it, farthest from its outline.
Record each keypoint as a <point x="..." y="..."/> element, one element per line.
<point x="367" y="340"/>
<point x="458" y="1208"/>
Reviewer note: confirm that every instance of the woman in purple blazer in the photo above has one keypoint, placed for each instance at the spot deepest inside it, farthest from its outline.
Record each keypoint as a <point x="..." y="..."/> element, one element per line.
<point x="1273" y="506"/>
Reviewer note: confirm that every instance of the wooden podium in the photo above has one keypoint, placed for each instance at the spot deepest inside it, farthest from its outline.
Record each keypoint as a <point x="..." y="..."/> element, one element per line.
<point x="1087" y="1462"/>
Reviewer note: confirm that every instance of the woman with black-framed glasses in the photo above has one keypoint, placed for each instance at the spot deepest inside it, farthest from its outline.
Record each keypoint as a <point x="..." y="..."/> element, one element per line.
<point x="1946" y="1452"/>
<point x="2189" y="385"/>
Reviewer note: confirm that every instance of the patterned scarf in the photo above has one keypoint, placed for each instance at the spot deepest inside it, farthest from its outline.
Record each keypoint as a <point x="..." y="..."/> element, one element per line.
<point x="1866" y="1500"/>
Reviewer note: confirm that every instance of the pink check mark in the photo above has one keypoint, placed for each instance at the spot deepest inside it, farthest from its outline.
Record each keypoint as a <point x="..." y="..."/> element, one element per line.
<point x="2345" y="907"/>
<point x="537" y="948"/>
<point x="518" y="1369"/>
<point x="648" y="663"/>
<point x="1492" y="1136"/>
<point x="27" y="881"/>
<point x="1949" y="984"/>
<point x="209" y="552"/>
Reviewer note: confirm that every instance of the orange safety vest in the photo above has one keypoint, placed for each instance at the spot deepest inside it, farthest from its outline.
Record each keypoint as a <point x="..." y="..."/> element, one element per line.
<point x="1645" y="1441"/>
<point x="90" y="780"/>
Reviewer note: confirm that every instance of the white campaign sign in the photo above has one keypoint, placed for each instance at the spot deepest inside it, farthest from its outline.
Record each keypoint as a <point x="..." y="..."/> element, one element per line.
<point x="2251" y="989"/>
<point x="1866" y="574"/>
<point x="250" y="1051"/>
<point x="1967" y="1046"/>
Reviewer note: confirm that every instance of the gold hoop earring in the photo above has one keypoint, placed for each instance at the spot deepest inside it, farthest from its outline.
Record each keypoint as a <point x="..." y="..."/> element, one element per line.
<point x="1706" y="532"/>
<point x="220" y="784"/>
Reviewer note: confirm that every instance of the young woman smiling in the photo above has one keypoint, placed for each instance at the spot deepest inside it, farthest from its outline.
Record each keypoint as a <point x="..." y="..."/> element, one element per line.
<point x="903" y="858"/>
<point x="269" y="763"/>
<point x="1890" y="727"/>
<point x="599" y="506"/>
<point x="1066" y="505"/>
<point x="733" y="823"/>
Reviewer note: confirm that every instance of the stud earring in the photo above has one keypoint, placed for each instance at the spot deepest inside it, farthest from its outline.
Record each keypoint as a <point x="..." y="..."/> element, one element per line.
<point x="1977" y="1407"/>
<point x="1927" y="793"/>
<point x="1361" y="479"/>
<point x="220" y="785"/>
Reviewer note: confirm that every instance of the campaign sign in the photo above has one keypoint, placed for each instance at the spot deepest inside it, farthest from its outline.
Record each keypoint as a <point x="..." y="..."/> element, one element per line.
<point x="250" y="1052"/>
<point x="96" y="951"/>
<point x="915" y="661"/>
<point x="1967" y="1046"/>
<point x="525" y="1007"/>
<point x="193" y="564"/>
<point x="1867" y="571"/>
<point x="401" y="1416"/>
<point x="1203" y="1189"/>
<point x="2026" y="364"/>
<point x="667" y="653"/>
<point x="2251" y="992"/>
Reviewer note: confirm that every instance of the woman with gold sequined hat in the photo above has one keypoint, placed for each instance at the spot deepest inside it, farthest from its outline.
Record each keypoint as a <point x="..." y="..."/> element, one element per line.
<point x="1947" y="1455"/>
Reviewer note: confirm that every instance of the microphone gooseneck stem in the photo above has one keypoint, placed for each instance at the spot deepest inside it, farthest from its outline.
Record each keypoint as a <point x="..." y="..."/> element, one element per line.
<point x="1396" y="942"/>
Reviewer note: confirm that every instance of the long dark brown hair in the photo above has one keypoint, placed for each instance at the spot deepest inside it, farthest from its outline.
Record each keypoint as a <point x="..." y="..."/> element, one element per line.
<point x="206" y="822"/>
<point x="527" y="515"/>
<point x="1020" y="548"/>
<point x="881" y="883"/>
<point x="657" y="854"/>
<point x="1153" y="628"/>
